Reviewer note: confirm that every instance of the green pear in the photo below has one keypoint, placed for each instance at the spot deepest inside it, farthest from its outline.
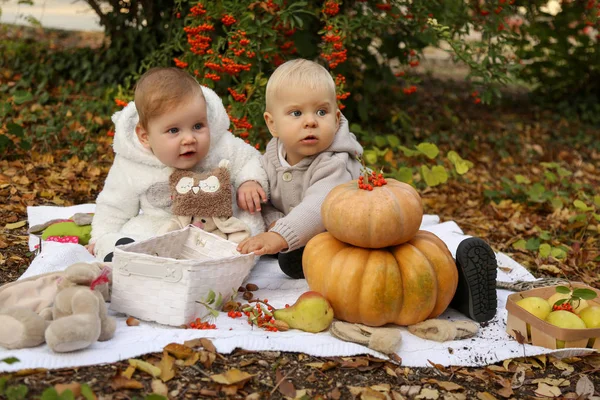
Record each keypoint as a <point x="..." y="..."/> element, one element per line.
<point x="310" y="313"/>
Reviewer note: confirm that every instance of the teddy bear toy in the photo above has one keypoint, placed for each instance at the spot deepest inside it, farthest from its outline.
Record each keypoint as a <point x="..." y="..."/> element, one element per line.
<point x="205" y="200"/>
<point x="65" y="309"/>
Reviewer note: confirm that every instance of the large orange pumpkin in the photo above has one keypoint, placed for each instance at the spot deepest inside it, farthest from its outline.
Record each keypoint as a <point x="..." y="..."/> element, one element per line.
<point x="403" y="284"/>
<point x="386" y="216"/>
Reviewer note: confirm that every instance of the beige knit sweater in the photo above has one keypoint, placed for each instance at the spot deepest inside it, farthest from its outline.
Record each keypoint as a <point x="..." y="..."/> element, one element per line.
<point x="298" y="191"/>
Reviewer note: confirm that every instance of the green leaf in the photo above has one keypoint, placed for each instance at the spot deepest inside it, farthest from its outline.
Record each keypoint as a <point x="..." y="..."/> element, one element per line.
<point x="596" y="216"/>
<point x="15" y="129"/>
<point x="550" y="176"/>
<point x="22" y="96"/>
<point x="87" y="392"/>
<point x="549" y="165"/>
<point x="461" y="165"/>
<point x="545" y="235"/>
<point x="210" y="298"/>
<point x="370" y="157"/>
<point x="155" y="396"/>
<point x="532" y="244"/>
<point x="435" y="175"/>
<point x="409" y="152"/>
<point x="3" y="381"/>
<point x="558" y="253"/>
<point x="380" y="141"/>
<point x="50" y="394"/>
<point x="520" y="244"/>
<point x="536" y="193"/>
<point x="563" y="290"/>
<point x="66" y="395"/>
<point x="545" y="250"/>
<point x="10" y="360"/>
<point x="556" y="203"/>
<point x="585" y="294"/>
<point x="522" y="179"/>
<point x="559" y="302"/>
<point x="404" y="174"/>
<point x="429" y="149"/>
<point x="356" y="128"/>
<point x="581" y="206"/>
<point x="393" y="141"/>
<point x="563" y="172"/>
<point x="597" y="201"/>
<point x="16" y="392"/>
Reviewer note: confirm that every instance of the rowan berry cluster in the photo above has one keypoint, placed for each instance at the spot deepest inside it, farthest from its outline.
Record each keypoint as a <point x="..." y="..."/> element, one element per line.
<point x="373" y="180"/>
<point x="566" y="306"/>
<point x="199" y="324"/>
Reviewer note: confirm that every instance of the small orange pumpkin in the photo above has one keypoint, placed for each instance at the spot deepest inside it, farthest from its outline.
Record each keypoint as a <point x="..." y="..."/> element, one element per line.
<point x="403" y="284"/>
<point x="386" y="216"/>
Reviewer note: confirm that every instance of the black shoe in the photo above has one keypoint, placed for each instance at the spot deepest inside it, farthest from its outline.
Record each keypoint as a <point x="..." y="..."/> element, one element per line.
<point x="477" y="269"/>
<point x="291" y="263"/>
<point x="123" y="240"/>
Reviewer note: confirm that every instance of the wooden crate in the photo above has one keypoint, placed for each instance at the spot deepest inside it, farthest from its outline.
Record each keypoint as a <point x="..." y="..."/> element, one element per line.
<point x="541" y="332"/>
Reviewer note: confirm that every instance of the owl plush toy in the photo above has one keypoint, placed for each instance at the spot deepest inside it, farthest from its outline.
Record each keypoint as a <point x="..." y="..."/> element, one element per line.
<point x="205" y="200"/>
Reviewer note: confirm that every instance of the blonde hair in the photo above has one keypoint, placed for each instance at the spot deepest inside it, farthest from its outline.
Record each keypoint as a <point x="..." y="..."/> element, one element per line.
<point x="299" y="72"/>
<point x="159" y="90"/>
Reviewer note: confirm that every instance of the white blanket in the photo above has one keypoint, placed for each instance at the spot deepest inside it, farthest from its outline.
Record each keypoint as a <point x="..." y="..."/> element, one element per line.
<point x="491" y="345"/>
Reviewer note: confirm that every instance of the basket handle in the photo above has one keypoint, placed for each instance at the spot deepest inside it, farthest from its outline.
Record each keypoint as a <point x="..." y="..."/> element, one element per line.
<point x="165" y="272"/>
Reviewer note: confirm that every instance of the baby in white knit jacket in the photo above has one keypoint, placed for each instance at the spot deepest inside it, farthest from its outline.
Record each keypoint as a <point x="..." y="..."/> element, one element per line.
<point x="174" y="123"/>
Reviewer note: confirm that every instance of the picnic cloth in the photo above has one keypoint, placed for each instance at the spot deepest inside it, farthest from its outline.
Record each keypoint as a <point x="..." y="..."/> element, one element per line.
<point x="492" y="344"/>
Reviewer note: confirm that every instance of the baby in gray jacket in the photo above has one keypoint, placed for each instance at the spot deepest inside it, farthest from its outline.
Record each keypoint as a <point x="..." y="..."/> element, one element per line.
<point x="311" y="152"/>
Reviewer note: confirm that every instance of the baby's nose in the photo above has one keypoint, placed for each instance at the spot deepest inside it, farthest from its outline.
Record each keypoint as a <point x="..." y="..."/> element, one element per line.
<point x="188" y="138"/>
<point x="310" y="121"/>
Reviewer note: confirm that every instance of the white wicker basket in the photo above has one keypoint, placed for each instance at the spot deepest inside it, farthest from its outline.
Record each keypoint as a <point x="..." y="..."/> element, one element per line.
<point x="161" y="278"/>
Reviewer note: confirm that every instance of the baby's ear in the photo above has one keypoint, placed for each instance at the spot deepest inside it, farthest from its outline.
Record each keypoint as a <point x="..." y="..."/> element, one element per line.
<point x="270" y="123"/>
<point x="338" y="117"/>
<point x="142" y="135"/>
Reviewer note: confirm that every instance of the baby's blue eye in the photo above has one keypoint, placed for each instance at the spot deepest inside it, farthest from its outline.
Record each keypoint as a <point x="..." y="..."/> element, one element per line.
<point x="321" y="113"/>
<point x="198" y="126"/>
<point x="173" y="130"/>
<point x="296" y="113"/>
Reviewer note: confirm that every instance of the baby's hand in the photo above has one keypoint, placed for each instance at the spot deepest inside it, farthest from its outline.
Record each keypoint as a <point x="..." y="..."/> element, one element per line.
<point x="264" y="243"/>
<point x="90" y="248"/>
<point x="249" y="196"/>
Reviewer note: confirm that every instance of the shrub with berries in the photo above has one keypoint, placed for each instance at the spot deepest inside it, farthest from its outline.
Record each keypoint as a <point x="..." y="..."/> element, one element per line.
<point x="234" y="46"/>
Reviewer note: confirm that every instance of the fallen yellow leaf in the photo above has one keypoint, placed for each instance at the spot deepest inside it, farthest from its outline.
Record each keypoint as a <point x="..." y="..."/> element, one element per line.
<point x="547" y="391"/>
<point x="145" y="366"/>
<point x="120" y="382"/>
<point x="167" y="369"/>
<point x="231" y="377"/>
<point x="129" y="372"/>
<point x="178" y="350"/>
<point x="15" y="225"/>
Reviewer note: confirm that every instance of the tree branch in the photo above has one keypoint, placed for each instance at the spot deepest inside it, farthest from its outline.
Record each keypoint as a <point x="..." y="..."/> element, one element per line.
<point x="104" y="21"/>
